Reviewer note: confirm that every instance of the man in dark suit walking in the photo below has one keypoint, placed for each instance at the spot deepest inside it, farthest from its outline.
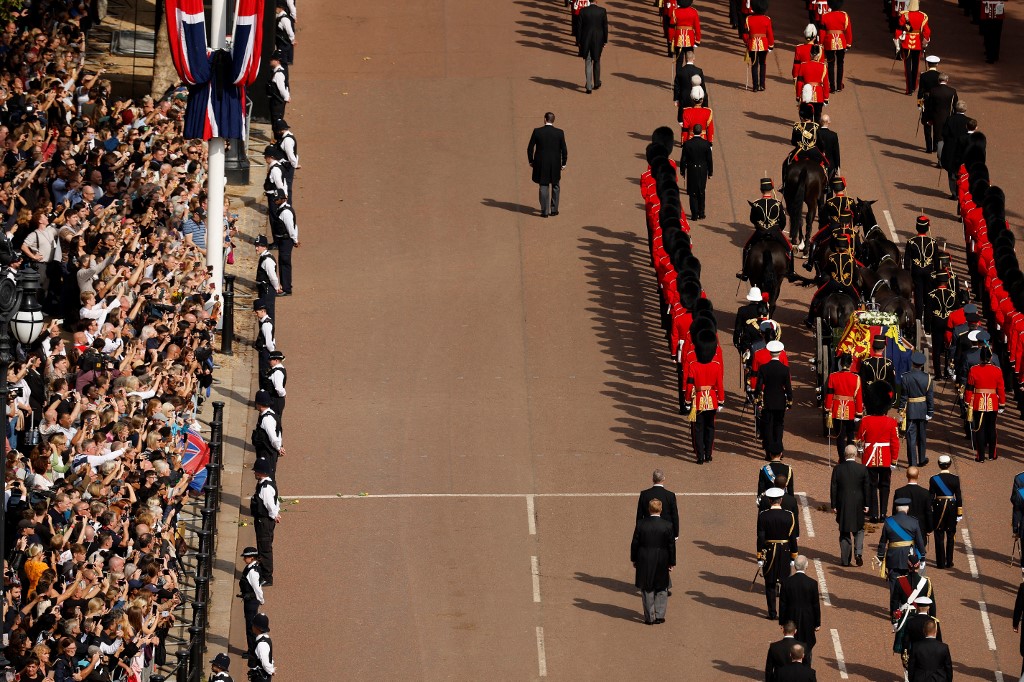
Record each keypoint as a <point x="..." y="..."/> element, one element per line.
<point x="955" y="138"/>
<point x="699" y="167"/>
<point x="653" y="553"/>
<point x="798" y="602"/>
<point x="547" y="155"/>
<point x="828" y="144"/>
<point x="920" y="501"/>
<point x="592" y="39"/>
<point x="849" y="501"/>
<point x="796" y="670"/>
<point x="658" y="491"/>
<point x="928" y="80"/>
<point x="929" y="659"/>
<point x="939" y="104"/>
<point x="774" y="396"/>
<point x="686" y="70"/>
<point x="779" y="652"/>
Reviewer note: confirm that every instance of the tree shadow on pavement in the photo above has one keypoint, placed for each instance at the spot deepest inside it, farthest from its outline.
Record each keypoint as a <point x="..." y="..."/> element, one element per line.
<point x="610" y="610"/>
<point x="556" y="83"/>
<point x="510" y="206"/>
<point x="607" y="583"/>
<point x="738" y="670"/>
<point x="623" y="304"/>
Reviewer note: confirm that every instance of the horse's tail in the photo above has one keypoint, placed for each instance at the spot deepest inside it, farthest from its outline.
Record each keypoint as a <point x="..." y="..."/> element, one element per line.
<point x="769" y="282"/>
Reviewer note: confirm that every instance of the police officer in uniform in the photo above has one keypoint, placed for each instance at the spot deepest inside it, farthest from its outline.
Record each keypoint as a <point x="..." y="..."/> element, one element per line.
<point x="985" y="395"/>
<point x="275" y="180"/>
<point x="219" y="666"/>
<point x="268" y="285"/>
<point x="274" y="383"/>
<point x="286" y="238"/>
<point x="261" y="666"/>
<point x="938" y="306"/>
<point x="250" y="589"/>
<point x="289" y="149"/>
<point x="947" y="511"/>
<point x="278" y="95"/>
<point x="776" y="547"/>
<point x="844" y="403"/>
<point x="917" y="407"/>
<point x="877" y="367"/>
<point x="265" y="343"/>
<point x="768" y="216"/>
<point x="918" y="257"/>
<point x="284" y="35"/>
<point x="266" y="514"/>
<point x="266" y="437"/>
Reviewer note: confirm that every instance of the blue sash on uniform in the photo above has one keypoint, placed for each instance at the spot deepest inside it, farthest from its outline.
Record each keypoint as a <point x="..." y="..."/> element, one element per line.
<point x="1018" y="483"/>
<point x="901" y="533"/>
<point x="944" y="488"/>
<point x="771" y="474"/>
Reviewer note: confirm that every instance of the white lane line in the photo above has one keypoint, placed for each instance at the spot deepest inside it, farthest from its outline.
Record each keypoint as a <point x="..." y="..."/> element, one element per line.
<point x="808" y="524"/>
<point x="822" y="587"/>
<point x="987" y="624"/>
<point x="969" y="549"/>
<point x="535" y="569"/>
<point x="840" y="661"/>
<point x="892" y="228"/>
<point x="531" y="515"/>
<point x="340" y="496"/>
<point x="542" y="659"/>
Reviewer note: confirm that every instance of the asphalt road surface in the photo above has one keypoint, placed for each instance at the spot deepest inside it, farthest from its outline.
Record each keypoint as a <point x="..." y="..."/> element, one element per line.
<point x="498" y="384"/>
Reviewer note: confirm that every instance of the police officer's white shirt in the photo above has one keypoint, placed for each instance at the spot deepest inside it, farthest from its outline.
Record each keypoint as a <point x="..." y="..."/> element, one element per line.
<point x="263" y="655"/>
<point x="267" y="329"/>
<point x="270" y="267"/>
<point x="287" y="218"/>
<point x="268" y="497"/>
<point x="290" y="5"/>
<point x="270" y="428"/>
<point x="276" y="176"/>
<point x="277" y="380"/>
<point x="288" y="147"/>
<point x="282" y="87"/>
<point x="284" y="24"/>
<point x="253" y="577"/>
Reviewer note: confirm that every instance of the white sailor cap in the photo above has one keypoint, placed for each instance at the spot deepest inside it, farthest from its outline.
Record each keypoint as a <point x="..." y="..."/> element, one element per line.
<point x="973" y="334"/>
<point x="775" y="347"/>
<point x="754" y="295"/>
<point x="945" y="459"/>
<point x="923" y="601"/>
<point x="932" y="59"/>
<point x="774" y="493"/>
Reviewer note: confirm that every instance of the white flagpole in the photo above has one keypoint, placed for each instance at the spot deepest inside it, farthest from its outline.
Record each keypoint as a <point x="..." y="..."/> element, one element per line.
<point x="216" y="179"/>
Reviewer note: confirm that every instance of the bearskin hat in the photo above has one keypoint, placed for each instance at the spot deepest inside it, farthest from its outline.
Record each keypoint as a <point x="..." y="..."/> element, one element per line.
<point x="877" y="398"/>
<point x="759" y="6"/>
<point x="664" y="136"/>
<point x="835" y="4"/>
<point x="704" y="345"/>
<point x="683" y="4"/>
<point x="691" y="264"/>
<point x="689" y="292"/>
<point x="655" y="153"/>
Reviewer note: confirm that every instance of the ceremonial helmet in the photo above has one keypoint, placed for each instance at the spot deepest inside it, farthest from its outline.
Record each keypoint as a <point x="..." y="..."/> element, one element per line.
<point x="697" y="93"/>
<point x="811" y="32"/>
<point x="877" y="398"/>
<point x="923" y="224"/>
<point x="767" y="185"/>
<point x="838" y="183"/>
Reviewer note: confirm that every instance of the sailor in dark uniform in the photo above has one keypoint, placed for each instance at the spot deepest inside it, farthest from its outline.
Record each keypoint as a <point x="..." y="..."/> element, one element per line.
<point x="776" y="547"/>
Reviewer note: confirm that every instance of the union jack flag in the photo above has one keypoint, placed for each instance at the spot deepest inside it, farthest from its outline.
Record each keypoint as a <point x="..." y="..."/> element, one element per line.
<point x="194" y="459"/>
<point x="216" y="79"/>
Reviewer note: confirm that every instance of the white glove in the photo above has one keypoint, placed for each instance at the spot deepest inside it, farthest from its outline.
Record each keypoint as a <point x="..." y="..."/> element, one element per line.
<point x="719" y="408"/>
<point x="1002" y="409"/>
<point x="927" y="417"/>
<point x="893" y="467"/>
<point x="959" y="519"/>
<point x="792" y="563"/>
<point x="760" y="563"/>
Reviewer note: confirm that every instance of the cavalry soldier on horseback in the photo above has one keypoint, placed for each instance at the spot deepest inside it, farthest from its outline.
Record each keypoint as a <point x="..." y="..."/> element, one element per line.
<point x="837" y="216"/>
<point x="804" y="139"/>
<point x="844" y="402"/>
<point x="768" y="216"/>
<point x="842" y="271"/>
<point x="919" y="258"/>
<point x="938" y="306"/>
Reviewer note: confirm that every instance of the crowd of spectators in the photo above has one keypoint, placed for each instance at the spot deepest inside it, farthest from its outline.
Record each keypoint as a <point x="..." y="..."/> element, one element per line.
<point x="103" y="196"/>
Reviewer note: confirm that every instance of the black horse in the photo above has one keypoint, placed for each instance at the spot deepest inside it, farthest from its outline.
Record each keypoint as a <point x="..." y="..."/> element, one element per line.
<point x="765" y="267"/>
<point x="804" y="187"/>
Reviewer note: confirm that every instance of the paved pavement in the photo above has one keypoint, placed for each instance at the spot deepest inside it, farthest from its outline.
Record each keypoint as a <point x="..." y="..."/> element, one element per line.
<point x="444" y="340"/>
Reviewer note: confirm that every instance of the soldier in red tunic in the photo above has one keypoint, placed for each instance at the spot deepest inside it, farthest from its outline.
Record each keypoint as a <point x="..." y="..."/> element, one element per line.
<point x="816" y="9"/>
<point x="844" y="402"/>
<point x="985" y="395"/>
<point x="837" y="38"/>
<point x="812" y="83"/>
<point x="759" y="39"/>
<point x="992" y="14"/>
<point x="912" y="37"/>
<point x="698" y="113"/>
<point x="684" y="28"/>
<point x="705" y="394"/>
<point x="879" y="436"/>
<point x="667" y="6"/>
<point x="802" y="53"/>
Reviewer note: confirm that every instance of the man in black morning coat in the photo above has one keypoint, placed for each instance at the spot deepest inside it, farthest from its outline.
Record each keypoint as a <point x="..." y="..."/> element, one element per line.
<point x="547" y="154"/>
<point x="799" y="603"/>
<point x="779" y="652"/>
<point x="653" y="553"/>
<point x="849" y="501"/>
<point x="658" y="491"/>
<point x="593" y="38"/>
